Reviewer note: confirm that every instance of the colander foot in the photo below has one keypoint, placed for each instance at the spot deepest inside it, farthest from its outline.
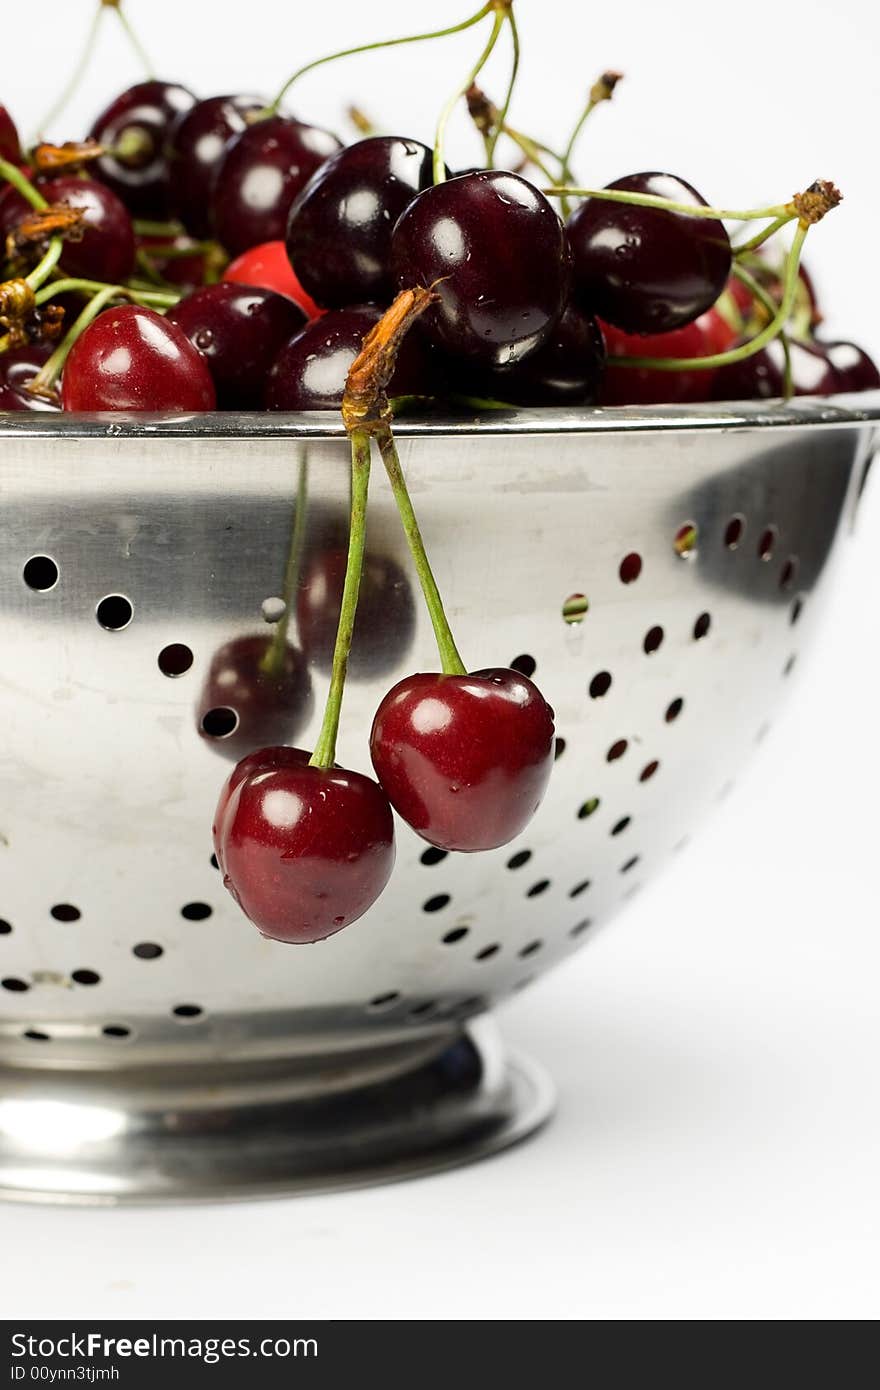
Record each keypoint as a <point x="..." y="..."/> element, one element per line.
<point x="264" y="1129"/>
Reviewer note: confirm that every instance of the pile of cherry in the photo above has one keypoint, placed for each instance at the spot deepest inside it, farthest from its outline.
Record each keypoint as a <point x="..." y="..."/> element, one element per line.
<point x="323" y="235"/>
<point x="192" y="255"/>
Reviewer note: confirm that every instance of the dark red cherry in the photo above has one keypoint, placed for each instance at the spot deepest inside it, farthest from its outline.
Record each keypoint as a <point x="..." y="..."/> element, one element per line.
<point x="464" y="759"/>
<point x="239" y="330"/>
<point x="271" y="701"/>
<point x="304" y="851"/>
<point x="132" y="359"/>
<point x="706" y="336"/>
<point x="268" y="267"/>
<point x="187" y="272"/>
<point x="19" y="366"/>
<point x="564" y="370"/>
<point x="761" y="376"/>
<point x="385" y="622"/>
<point x="310" y="372"/>
<point x="644" y="269"/>
<point x="195" y="152"/>
<point x="10" y="145"/>
<point x="855" y="369"/>
<point x="261" y="173"/>
<point x="106" y="249"/>
<point x="340" y="225"/>
<point x="499" y="256"/>
<point x="138" y="125"/>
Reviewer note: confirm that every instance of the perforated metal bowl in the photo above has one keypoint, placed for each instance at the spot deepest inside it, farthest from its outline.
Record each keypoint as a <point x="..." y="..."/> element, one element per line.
<point x="659" y="573"/>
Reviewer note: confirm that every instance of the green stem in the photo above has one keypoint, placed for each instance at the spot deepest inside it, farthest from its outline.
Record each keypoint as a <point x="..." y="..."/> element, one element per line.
<point x="273" y="662"/>
<point x="530" y="148"/>
<point x="760" y="237"/>
<point x="492" y="140"/>
<point x="135" y="43"/>
<point x="44" y="268"/>
<point x="11" y="173"/>
<point x="143" y="226"/>
<point x="44" y="382"/>
<point x="148" y="298"/>
<point x="325" y="747"/>
<point x="747" y="349"/>
<point x="77" y="75"/>
<point x="650" y="200"/>
<point x="450" y="659"/>
<point x="769" y="305"/>
<point x="439" y="138"/>
<point x="272" y="110"/>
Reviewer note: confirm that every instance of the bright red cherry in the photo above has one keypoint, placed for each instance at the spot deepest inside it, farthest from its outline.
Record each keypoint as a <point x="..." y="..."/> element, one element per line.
<point x="141" y="117"/>
<point x="498" y="254"/>
<point x="262" y="171"/>
<point x="855" y="369"/>
<point x="340" y="225"/>
<point x="647" y="270"/>
<point x="270" y="706"/>
<point x="239" y="330"/>
<point x="132" y="359"/>
<point x="195" y="152"/>
<point x="706" y="336"/>
<point x="762" y="376"/>
<point x="464" y="759"/>
<point x="310" y="372"/>
<point x="304" y="851"/>
<point x="385" y="621"/>
<point x="18" y="367"/>
<point x="10" y="145"/>
<point x="269" y="267"/>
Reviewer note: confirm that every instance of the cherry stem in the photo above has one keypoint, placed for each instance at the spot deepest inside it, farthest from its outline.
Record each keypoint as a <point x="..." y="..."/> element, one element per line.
<point x="450" y="660"/>
<point x="78" y="73"/>
<point x="760" y="237"/>
<point x="783" y="212"/>
<point x="22" y="184"/>
<point x="440" y="136"/>
<point x="44" y="268"/>
<point x="325" y="747"/>
<point x="747" y="349"/>
<point x="144" y="227"/>
<point x="133" y="39"/>
<point x="769" y="305"/>
<point x="149" y="298"/>
<point x="43" y="384"/>
<point x="533" y="151"/>
<point x="272" y="109"/>
<point x="492" y="139"/>
<point x="273" y="661"/>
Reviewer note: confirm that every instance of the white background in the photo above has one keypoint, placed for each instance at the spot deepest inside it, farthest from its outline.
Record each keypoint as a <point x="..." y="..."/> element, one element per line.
<point x="718" y="1141"/>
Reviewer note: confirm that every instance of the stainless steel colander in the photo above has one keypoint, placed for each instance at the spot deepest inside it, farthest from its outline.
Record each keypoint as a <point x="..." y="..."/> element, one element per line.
<point x="658" y="572"/>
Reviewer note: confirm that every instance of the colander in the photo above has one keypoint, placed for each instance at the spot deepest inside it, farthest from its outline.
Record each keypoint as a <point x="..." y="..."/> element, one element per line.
<point x="659" y="574"/>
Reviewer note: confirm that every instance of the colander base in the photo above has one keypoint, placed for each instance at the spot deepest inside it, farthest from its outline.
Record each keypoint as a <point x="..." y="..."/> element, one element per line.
<point x="105" y="1138"/>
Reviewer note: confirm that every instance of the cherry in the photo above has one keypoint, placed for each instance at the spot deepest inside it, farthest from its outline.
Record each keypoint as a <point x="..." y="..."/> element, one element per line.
<point x="10" y="145"/>
<point x="499" y="255"/>
<point x="385" y="621"/>
<point x="304" y="850"/>
<point x="19" y="366"/>
<point x="131" y="358"/>
<point x="195" y="152"/>
<point x="271" y="706"/>
<point x="762" y="376"/>
<point x="464" y="759"/>
<point x="340" y="225"/>
<point x="261" y="173"/>
<point x="854" y="368"/>
<point x="268" y="266"/>
<point x="310" y="372"/>
<point x="648" y="270"/>
<point x="239" y="330"/>
<point x="142" y="117"/>
<point x="707" y="335"/>
<point x="188" y="272"/>
<point x="106" y="248"/>
<point x="565" y="370"/>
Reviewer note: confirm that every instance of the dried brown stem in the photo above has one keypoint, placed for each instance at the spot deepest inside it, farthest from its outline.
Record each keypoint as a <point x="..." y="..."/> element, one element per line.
<point x="365" y="404"/>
